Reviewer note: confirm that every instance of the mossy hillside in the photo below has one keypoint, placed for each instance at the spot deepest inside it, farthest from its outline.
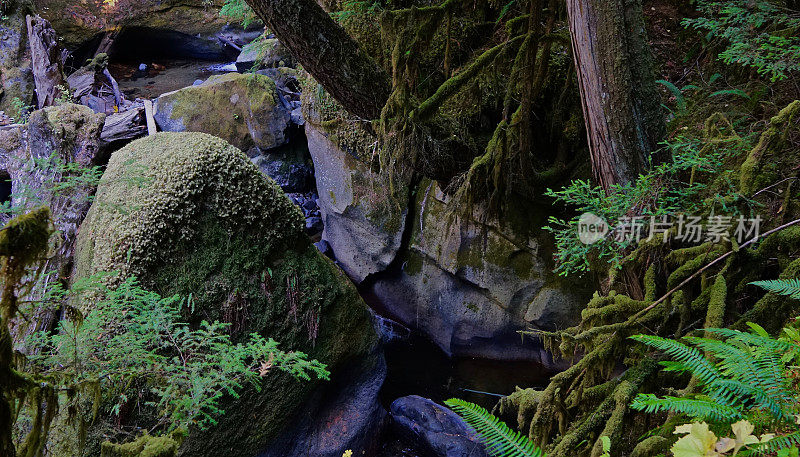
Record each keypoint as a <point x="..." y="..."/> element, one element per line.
<point x="242" y="109"/>
<point x="189" y="214"/>
<point x="769" y="159"/>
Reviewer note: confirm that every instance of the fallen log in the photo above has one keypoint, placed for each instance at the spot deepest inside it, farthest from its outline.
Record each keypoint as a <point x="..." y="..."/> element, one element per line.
<point x="127" y="125"/>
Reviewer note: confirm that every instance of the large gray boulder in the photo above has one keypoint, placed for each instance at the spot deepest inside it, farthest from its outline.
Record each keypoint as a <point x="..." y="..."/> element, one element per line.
<point x="470" y="284"/>
<point x="364" y="220"/>
<point x="434" y="428"/>
<point x="243" y="109"/>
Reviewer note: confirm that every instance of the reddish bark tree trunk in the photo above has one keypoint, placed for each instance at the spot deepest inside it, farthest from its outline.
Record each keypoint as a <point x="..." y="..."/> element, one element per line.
<point x="621" y="106"/>
<point x="327" y="52"/>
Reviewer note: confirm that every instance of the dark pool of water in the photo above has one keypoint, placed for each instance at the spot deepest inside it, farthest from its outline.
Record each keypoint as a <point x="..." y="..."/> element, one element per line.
<point x="164" y="76"/>
<point x="418" y="367"/>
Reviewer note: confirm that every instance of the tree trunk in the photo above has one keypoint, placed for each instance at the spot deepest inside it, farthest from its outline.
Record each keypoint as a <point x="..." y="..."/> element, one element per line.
<point x="621" y="106"/>
<point x="327" y="52"/>
<point x="46" y="60"/>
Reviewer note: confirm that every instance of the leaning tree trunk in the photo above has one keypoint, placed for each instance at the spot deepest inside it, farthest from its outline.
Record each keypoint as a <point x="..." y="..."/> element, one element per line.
<point x="621" y="106"/>
<point x="327" y="52"/>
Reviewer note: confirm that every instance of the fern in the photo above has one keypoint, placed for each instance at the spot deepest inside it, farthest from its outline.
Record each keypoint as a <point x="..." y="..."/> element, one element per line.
<point x="498" y="438"/>
<point x="680" y="100"/>
<point x="737" y="92"/>
<point x="688" y="358"/>
<point x="788" y="287"/>
<point x="741" y="373"/>
<point x="694" y="407"/>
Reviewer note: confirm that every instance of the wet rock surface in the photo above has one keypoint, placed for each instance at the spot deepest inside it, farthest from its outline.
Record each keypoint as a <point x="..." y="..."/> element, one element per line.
<point x="435" y="429"/>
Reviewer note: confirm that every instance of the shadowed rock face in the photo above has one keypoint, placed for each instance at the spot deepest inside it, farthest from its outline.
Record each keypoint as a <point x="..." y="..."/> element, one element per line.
<point x="469" y="286"/>
<point x="79" y="22"/>
<point x="244" y="110"/>
<point x="16" y="75"/>
<point x="32" y="158"/>
<point x="189" y="213"/>
<point x="434" y="428"/>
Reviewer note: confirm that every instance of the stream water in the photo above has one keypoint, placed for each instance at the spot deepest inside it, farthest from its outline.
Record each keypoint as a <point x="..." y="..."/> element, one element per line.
<point x="164" y="75"/>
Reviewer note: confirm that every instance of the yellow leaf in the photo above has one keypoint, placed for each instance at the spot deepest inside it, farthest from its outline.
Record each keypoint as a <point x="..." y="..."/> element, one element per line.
<point x="743" y="430"/>
<point x="699" y="442"/>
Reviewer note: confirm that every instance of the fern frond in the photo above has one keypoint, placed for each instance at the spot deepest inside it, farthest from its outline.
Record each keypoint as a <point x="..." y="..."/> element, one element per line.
<point x="498" y="438"/>
<point x="696" y="408"/>
<point x="691" y="358"/>
<point x="788" y="287"/>
<point x="779" y="442"/>
<point x="680" y="100"/>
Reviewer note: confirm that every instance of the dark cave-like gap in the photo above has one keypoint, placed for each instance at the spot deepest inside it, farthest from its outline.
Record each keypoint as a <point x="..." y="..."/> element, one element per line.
<point x="6" y="189"/>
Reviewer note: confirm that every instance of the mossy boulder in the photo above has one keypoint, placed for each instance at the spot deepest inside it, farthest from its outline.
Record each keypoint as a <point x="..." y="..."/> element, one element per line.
<point x="243" y="109"/>
<point x="264" y="53"/>
<point x="188" y="213"/>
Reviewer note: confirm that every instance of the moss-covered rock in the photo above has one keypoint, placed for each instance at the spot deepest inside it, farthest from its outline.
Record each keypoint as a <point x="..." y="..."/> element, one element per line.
<point x="189" y="214"/>
<point x="145" y="446"/>
<point x="243" y="109"/>
<point x="263" y="53"/>
<point x="768" y="161"/>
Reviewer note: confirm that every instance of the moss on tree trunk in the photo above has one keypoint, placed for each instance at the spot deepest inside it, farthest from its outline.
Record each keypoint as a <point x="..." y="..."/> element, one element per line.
<point x="327" y="52"/>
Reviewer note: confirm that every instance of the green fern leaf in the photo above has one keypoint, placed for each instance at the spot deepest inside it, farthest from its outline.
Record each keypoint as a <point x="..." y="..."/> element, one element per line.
<point x="696" y="408"/>
<point x="498" y="438"/>
<point x="691" y="358"/>
<point x="680" y="100"/>
<point x="788" y="287"/>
